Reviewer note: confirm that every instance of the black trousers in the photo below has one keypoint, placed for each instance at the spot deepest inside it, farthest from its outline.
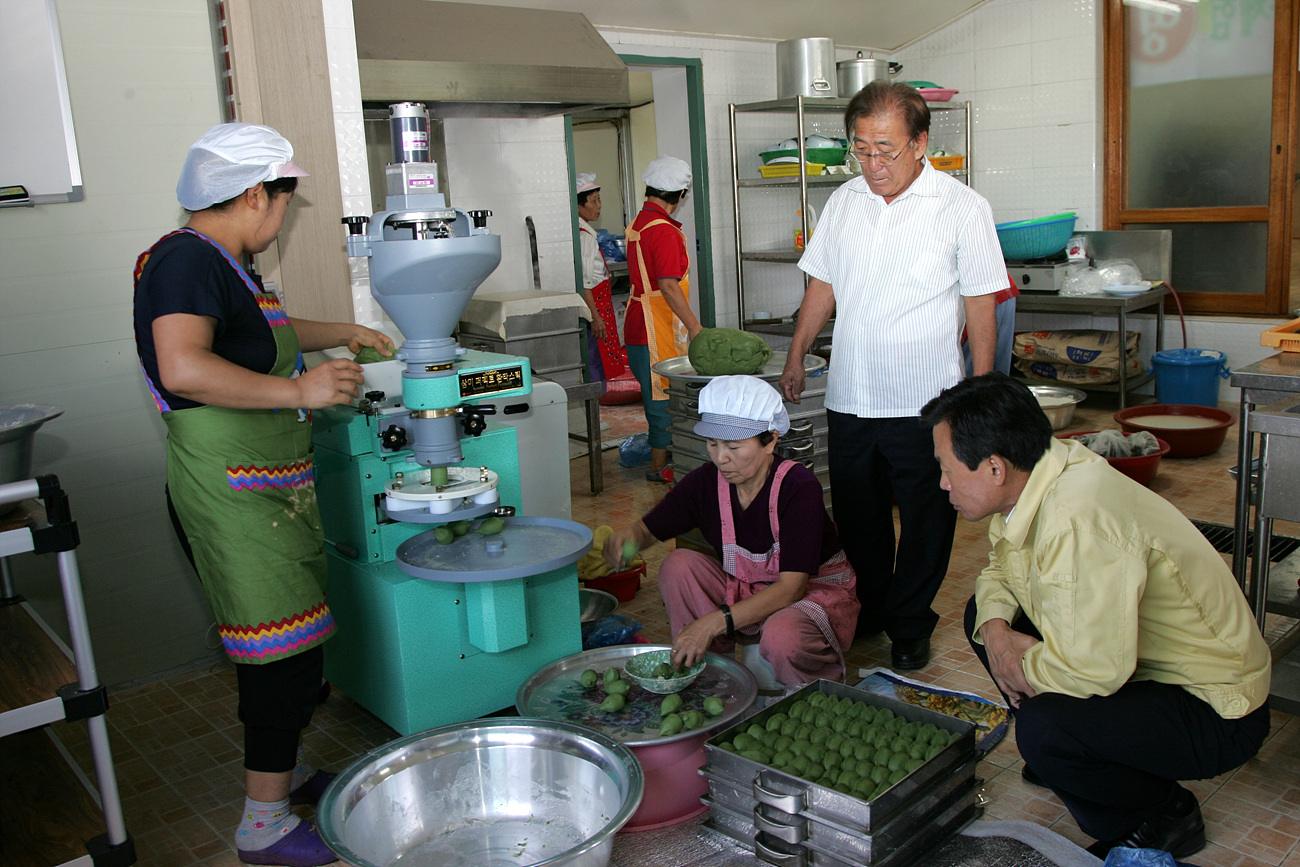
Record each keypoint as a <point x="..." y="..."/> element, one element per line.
<point x="872" y="462"/>
<point x="1115" y="760"/>
<point x="276" y="699"/>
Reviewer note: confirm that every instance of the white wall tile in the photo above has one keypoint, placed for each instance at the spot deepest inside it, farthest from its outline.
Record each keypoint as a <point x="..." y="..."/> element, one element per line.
<point x="1002" y="149"/>
<point x="1003" y="25"/>
<point x="998" y="68"/>
<point x="1063" y="102"/>
<point x="1004" y="108"/>
<point x="1070" y="59"/>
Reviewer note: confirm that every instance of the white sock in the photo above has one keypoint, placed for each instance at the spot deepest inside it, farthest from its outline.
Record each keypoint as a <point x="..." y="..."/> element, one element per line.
<point x="302" y="772"/>
<point x="264" y="822"/>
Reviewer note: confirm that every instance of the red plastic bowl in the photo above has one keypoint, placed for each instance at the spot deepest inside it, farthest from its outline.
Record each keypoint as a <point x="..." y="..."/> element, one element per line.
<point x="673" y="785"/>
<point x="1183" y="442"/>
<point x="1141" y="469"/>
<point x="624" y="585"/>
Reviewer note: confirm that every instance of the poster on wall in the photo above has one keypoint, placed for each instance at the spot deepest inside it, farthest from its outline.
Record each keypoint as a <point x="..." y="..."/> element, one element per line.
<point x="1184" y="41"/>
<point x="38" y="148"/>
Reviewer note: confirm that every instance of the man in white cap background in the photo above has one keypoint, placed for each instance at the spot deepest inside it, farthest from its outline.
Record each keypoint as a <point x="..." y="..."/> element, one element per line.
<point x="783" y="580"/>
<point x="659" y="322"/>
<point x="606" y="359"/>
<point x="223" y="361"/>
<point x="900" y="256"/>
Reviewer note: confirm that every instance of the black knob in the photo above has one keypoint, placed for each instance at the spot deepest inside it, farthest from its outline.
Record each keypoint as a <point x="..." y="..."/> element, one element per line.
<point x="356" y="225"/>
<point x="479" y="218"/>
<point x="374" y="396"/>
<point x="473" y="424"/>
<point x="393" y="438"/>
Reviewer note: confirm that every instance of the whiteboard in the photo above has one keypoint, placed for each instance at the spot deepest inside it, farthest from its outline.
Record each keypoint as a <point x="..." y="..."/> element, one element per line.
<point x="38" y="149"/>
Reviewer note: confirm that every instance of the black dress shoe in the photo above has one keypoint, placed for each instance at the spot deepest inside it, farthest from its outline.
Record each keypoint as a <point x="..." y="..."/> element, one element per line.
<point x="908" y="655"/>
<point x="1178" y="830"/>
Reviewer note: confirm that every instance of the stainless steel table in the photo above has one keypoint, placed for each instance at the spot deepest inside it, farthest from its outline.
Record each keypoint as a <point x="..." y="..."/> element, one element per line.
<point x="1036" y="302"/>
<point x="1266" y="381"/>
<point x="1277" y="496"/>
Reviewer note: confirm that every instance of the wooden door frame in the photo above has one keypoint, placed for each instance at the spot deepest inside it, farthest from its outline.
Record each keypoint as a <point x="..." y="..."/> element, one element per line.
<point x="1282" y="164"/>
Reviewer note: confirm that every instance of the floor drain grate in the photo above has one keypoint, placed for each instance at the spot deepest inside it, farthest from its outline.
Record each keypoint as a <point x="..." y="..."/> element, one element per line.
<point x="1221" y="538"/>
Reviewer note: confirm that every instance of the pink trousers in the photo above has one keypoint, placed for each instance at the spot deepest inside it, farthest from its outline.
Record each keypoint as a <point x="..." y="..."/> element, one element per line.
<point x="693" y="584"/>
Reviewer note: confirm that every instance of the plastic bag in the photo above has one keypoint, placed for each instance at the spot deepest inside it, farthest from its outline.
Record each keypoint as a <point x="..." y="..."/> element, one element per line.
<point x="1083" y="281"/>
<point x="1077" y="249"/>
<point x="1123" y="856"/>
<point x="635" y="450"/>
<point x="614" y="629"/>
<point x="1118" y="272"/>
<point x="1113" y="443"/>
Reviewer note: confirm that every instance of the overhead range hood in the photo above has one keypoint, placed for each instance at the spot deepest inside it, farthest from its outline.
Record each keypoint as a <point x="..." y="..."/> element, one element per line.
<point x="473" y="60"/>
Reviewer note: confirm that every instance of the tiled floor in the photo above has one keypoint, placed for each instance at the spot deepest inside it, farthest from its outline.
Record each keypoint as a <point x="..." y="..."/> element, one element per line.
<point x="178" y="745"/>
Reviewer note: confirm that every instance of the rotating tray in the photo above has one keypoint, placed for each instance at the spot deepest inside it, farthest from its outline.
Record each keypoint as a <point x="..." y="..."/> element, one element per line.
<point x="679" y="369"/>
<point x="527" y="546"/>
<point x="554" y="692"/>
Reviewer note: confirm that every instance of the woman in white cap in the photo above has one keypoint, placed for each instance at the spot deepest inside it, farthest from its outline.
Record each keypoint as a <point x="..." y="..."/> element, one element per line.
<point x="223" y="361"/>
<point x="783" y="577"/>
<point x="659" y="322"/>
<point x="605" y="356"/>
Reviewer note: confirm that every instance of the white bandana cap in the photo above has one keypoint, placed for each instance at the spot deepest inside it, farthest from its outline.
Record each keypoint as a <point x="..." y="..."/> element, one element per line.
<point x="739" y="407"/>
<point x="587" y="181"/>
<point x="668" y="174"/>
<point x="231" y="158"/>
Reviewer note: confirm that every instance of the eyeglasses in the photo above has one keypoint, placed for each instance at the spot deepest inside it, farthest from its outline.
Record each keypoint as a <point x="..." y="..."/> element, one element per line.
<point x="882" y="158"/>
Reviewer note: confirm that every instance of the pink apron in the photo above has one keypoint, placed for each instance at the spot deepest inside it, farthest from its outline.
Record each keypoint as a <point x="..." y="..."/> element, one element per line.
<point x="830" y="597"/>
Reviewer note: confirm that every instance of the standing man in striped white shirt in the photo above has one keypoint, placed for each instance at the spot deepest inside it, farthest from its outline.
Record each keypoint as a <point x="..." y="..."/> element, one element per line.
<point x="902" y="255"/>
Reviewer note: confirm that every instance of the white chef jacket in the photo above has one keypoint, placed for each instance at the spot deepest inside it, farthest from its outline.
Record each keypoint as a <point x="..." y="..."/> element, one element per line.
<point x="899" y="272"/>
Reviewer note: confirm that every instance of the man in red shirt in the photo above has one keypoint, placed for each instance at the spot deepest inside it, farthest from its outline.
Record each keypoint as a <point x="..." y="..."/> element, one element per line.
<point x="659" y="322"/>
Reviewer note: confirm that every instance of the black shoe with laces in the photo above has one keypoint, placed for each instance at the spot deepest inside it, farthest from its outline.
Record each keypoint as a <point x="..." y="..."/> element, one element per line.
<point x="1179" y="829"/>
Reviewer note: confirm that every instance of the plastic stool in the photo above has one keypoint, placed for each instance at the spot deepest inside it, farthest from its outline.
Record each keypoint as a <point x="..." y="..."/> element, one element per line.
<point x="760" y="668"/>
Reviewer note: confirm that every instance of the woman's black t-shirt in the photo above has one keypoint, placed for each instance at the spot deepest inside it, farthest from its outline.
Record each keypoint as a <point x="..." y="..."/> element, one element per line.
<point x="186" y="274"/>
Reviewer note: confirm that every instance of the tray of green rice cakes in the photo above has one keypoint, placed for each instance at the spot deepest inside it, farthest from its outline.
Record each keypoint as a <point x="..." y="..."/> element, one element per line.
<point x="844" y="756"/>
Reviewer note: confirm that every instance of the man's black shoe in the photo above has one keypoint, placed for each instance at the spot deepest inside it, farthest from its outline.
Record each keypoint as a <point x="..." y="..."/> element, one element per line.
<point x="908" y="655"/>
<point x="1027" y="774"/>
<point x="1178" y="830"/>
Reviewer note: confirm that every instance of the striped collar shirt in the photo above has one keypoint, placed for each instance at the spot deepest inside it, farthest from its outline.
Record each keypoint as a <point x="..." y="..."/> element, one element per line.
<point x="899" y="272"/>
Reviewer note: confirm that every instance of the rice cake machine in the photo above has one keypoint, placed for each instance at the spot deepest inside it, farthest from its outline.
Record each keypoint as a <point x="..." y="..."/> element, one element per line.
<point x="431" y="633"/>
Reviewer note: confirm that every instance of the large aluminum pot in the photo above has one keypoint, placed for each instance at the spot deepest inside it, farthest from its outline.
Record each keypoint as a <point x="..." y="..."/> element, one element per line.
<point x="18" y="425"/>
<point x="853" y="75"/>
<point x="805" y="67"/>
<point x="484" y="793"/>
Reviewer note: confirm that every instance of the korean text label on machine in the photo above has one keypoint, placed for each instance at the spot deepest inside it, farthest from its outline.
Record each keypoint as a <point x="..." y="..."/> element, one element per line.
<point x="480" y="382"/>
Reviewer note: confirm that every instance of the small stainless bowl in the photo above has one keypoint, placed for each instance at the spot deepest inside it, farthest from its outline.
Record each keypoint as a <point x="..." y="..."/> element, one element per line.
<point x="1058" y="402"/>
<point x="595" y="605"/>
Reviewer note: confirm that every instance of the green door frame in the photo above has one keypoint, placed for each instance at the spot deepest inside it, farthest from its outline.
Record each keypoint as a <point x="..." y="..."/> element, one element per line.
<point x="703" y="282"/>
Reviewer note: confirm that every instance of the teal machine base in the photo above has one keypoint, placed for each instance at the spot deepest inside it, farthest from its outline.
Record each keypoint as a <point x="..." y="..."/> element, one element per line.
<point x="403" y="650"/>
<point x="415" y="652"/>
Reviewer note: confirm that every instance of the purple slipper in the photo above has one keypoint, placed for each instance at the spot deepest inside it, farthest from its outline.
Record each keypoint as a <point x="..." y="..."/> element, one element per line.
<point x="309" y="792"/>
<point x="301" y="847"/>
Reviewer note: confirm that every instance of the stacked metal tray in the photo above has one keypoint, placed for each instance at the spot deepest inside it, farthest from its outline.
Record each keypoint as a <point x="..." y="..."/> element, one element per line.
<point x="787" y="819"/>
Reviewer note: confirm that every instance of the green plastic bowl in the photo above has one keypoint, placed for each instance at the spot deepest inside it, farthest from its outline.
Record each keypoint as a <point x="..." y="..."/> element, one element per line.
<point x="825" y="156"/>
<point x="640" y="670"/>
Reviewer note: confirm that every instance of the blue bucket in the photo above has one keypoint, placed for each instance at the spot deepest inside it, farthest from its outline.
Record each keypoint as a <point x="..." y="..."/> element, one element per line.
<point x="1189" y="376"/>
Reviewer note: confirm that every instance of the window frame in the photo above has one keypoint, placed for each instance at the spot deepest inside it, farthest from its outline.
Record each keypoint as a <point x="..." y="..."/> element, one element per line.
<point x="1282" y="165"/>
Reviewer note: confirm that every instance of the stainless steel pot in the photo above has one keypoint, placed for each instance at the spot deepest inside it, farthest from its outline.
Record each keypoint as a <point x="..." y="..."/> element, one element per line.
<point x="805" y="67"/>
<point x="492" y="791"/>
<point x="853" y="75"/>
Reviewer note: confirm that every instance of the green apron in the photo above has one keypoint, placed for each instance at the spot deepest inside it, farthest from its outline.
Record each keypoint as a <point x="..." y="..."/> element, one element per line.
<point x="243" y="484"/>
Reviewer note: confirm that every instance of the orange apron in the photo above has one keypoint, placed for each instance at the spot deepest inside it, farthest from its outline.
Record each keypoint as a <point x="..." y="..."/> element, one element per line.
<point x="665" y="334"/>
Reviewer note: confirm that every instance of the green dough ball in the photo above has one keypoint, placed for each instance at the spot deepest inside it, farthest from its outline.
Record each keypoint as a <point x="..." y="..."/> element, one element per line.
<point x="671" y="725"/>
<point x="629" y="551"/>
<point x="670" y="704"/>
<point x="612" y="703"/>
<point x="369" y="355"/>
<point x="444" y="536"/>
<point x="714" y="706"/>
<point x="692" y="719"/>
<point x="728" y="746"/>
<point x="743" y="742"/>
<point x="460" y="528"/>
<point x="611" y="675"/>
<point x="722" y="351"/>
<point x="663" y="669"/>
<point x="491" y="526"/>
<point x="589" y="678"/>
<point x="618" y="687"/>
